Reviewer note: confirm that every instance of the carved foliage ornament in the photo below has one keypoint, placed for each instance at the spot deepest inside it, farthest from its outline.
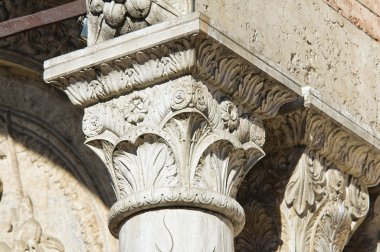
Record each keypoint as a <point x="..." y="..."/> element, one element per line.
<point x="197" y="55"/>
<point x="183" y="136"/>
<point x="317" y="174"/>
<point x="328" y="207"/>
<point x="335" y="144"/>
<point x="111" y="18"/>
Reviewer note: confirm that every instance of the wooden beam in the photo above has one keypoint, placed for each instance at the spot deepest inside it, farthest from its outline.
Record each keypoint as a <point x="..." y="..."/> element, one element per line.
<point x="42" y="18"/>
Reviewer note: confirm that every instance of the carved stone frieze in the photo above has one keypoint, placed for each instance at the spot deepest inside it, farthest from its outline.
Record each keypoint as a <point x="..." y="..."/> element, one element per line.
<point x="28" y="233"/>
<point x="112" y="18"/>
<point x="198" y="55"/>
<point x="44" y="207"/>
<point x="331" y="141"/>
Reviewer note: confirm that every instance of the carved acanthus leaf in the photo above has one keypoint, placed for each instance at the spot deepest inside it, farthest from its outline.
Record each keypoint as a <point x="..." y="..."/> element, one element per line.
<point x="219" y="168"/>
<point x="332" y="142"/>
<point x="147" y="164"/>
<point x="180" y="134"/>
<point x="305" y="185"/>
<point x="332" y="230"/>
<point x="260" y="232"/>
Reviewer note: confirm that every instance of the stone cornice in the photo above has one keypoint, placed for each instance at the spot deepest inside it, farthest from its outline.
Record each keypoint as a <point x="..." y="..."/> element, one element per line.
<point x="194" y="23"/>
<point x="191" y="51"/>
<point x="340" y="147"/>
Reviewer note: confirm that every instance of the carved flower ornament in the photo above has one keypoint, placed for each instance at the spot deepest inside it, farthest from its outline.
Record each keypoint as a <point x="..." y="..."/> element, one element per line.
<point x="230" y="115"/>
<point x="136" y="107"/>
<point x="92" y="124"/>
<point x="189" y="94"/>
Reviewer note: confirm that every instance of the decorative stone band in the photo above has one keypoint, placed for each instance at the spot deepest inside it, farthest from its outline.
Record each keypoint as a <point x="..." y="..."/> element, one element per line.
<point x="193" y="53"/>
<point x="176" y="197"/>
<point x="331" y="141"/>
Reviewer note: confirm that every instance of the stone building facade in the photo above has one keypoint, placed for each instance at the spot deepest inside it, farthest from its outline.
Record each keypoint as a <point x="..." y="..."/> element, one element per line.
<point x="184" y="125"/>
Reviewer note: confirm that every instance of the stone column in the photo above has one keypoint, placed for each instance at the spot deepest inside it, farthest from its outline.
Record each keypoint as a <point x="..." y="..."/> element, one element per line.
<point x="177" y="118"/>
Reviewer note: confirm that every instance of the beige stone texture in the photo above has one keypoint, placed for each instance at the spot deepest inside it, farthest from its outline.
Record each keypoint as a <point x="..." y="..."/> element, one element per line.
<point x="314" y="45"/>
<point x="363" y="14"/>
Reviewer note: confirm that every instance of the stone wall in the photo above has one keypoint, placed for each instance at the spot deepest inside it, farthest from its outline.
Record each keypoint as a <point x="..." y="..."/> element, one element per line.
<point x="365" y="14"/>
<point x="313" y="44"/>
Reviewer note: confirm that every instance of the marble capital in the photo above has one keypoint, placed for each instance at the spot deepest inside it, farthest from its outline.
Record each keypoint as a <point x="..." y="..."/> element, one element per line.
<point x="180" y="114"/>
<point x="176" y="116"/>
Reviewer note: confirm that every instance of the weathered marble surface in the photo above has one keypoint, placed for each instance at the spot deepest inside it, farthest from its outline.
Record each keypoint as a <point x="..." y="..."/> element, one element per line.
<point x="314" y="44"/>
<point x="151" y="91"/>
<point x="49" y="201"/>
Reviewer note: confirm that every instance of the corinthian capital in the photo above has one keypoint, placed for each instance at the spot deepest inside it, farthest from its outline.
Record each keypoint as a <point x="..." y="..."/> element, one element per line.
<point x="179" y="143"/>
<point x="176" y="118"/>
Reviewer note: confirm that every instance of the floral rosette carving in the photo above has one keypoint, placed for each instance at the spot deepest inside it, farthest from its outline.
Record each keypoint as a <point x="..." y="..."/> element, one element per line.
<point x="230" y="115"/>
<point x="136" y="107"/>
<point x="182" y="96"/>
<point x="93" y="123"/>
<point x="190" y="94"/>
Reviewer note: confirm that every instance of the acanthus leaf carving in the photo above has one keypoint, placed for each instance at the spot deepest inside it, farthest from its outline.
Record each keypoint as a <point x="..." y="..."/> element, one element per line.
<point x="332" y="229"/>
<point x="330" y="192"/>
<point x="260" y="232"/>
<point x="148" y="164"/>
<point x="195" y="54"/>
<point x="182" y="133"/>
<point x="305" y="185"/>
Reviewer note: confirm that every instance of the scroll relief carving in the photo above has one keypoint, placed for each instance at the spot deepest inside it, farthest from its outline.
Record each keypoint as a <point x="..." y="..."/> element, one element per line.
<point x="111" y="18"/>
<point x="317" y="175"/>
<point x="187" y="141"/>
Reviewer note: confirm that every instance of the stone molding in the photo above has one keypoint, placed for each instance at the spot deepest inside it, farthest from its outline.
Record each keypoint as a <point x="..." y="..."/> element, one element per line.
<point x="198" y="55"/>
<point x="334" y="143"/>
<point x="174" y="197"/>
